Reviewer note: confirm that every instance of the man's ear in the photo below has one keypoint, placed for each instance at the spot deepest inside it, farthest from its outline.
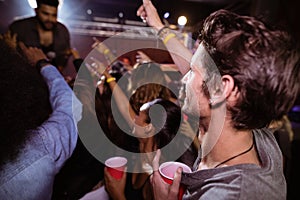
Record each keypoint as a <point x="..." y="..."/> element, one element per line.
<point x="228" y="85"/>
<point x="231" y="92"/>
<point x="222" y="94"/>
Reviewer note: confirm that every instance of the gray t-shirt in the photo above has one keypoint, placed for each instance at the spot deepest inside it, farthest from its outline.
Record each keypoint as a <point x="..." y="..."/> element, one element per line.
<point x="243" y="181"/>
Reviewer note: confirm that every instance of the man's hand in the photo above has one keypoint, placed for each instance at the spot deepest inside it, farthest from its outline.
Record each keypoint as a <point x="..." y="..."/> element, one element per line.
<point x="10" y="39"/>
<point x="114" y="187"/>
<point x="149" y="14"/>
<point x="141" y="57"/>
<point x="161" y="189"/>
<point x="33" y="54"/>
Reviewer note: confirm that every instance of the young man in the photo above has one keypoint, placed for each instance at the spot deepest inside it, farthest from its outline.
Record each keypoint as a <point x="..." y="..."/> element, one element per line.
<point x="241" y="77"/>
<point x="35" y="142"/>
<point x="45" y="32"/>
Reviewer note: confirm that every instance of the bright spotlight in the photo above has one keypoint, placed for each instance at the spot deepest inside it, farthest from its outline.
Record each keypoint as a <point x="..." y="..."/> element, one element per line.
<point x="166" y="15"/>
<point x="121" y="15"/>
<point x="89" y="11"/>
<point x="33" y="4"/>
<point x="182" y="20"/>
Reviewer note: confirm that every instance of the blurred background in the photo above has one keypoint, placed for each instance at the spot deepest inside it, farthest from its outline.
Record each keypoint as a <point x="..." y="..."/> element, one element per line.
<point x="86" y="19"/>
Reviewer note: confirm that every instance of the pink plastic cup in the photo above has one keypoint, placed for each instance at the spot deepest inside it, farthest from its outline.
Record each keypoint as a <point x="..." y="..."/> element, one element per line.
<point x="116" y="166"/>
<point x="167" y="171"/>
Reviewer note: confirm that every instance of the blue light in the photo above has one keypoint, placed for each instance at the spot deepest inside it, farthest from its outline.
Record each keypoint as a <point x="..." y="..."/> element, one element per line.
<point x="166" y="15"/>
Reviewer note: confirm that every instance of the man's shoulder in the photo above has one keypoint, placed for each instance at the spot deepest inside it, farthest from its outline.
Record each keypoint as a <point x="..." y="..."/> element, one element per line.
<point x="21" y="25"/>
<point x="21" y="21"/>
<point x="61" y="26"/>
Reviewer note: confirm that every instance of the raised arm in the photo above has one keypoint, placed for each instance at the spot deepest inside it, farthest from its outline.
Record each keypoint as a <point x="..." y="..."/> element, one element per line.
<point x="121" y="100"/>
<point x="118" y="94"/>
<point x="179" y="53"/>
<point x="60" y="130"/>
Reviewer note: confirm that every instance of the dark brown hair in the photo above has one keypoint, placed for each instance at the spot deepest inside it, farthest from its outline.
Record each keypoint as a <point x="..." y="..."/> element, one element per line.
<point x="53" y="3"/>
<point x="264" y="64"/>
<point x="24" y="102"/>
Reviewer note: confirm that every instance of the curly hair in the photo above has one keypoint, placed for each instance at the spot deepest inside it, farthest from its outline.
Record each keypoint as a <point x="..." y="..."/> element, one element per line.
<point x="24" y="102"/>
<point x="148" y="83"/>
<point x="264" y="64"/>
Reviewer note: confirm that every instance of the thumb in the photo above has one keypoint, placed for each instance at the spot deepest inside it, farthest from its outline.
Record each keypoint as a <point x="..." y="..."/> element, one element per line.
<point x="155" y="162"/>
<point x="146" y="2"/>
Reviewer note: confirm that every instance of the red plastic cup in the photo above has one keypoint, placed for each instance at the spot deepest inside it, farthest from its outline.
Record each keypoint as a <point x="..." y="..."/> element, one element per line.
<point x="116" y="166"/>
<point x="167" y="171"/>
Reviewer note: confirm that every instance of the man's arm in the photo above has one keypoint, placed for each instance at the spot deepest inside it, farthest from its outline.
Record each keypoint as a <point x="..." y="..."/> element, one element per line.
<point x="179" y="53"/>
<point x="59" y="132"/>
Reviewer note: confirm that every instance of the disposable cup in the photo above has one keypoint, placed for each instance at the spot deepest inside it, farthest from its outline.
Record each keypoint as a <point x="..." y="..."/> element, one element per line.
<point x="167" y="171"/>
<point x="116" y="166"/>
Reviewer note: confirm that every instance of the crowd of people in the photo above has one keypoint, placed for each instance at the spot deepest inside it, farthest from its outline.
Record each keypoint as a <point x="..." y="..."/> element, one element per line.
<point x="225" y="121"/>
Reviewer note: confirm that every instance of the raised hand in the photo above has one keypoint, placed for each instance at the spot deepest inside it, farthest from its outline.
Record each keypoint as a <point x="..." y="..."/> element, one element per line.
<point x="33" y="54"/>
<point x="149" y="14"/>
<point x="10" y="39"/>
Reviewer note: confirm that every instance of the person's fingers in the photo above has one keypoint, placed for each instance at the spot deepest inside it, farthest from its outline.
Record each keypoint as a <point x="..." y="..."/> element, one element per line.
<point x="146" y="2"/>
<point x="14" y="37"/>
<point x="151" y="178"/>
<point x="155" y="162"/>
<point x="176" y="182"/>
<point x="124" y="174"/>
<point x="107" y="176"/>
<point x="140" y="10"/>
<point x="96" y="40"/>
<point x="22" y="46"/>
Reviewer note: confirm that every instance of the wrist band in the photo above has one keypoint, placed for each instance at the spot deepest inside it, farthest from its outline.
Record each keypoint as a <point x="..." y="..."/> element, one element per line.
<point x="168" y="37"/>
<point x="106" y="51"/>
<point x="110" y="79"/>
<point x="160" y="30"/>
<point x="41" y="63"/>
<point x="165" y="34"/>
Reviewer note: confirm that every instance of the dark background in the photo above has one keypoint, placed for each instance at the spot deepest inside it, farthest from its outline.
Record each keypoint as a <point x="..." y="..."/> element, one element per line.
<point x="284" y="14"/>
<point x="274" y="11"/>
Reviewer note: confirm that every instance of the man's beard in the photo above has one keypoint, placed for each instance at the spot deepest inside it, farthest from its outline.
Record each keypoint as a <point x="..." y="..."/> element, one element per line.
<point x="189" y="107"/>
<point x="45" y="27"/>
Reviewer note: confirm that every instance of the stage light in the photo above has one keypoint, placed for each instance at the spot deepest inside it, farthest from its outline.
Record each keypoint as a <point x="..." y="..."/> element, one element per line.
<point x="33" y="4"/>
<point x="182" y="20"/>
<point x="166" y="15"/>
<point x="89" y="11"/>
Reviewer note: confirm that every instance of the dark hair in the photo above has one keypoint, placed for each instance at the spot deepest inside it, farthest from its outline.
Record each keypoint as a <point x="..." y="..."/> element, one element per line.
<point x="115" y="132"/>
<point x="264" y="64"/>
<point x="53" y="3"/>
<point x="24" y="102"/>
<point x="166" y="118"/>
<point x="149" y="83"/>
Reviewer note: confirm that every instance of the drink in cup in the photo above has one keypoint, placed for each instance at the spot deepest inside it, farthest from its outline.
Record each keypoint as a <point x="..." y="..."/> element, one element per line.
<point x="167" y="171"/>
<point x="116" y="166"/>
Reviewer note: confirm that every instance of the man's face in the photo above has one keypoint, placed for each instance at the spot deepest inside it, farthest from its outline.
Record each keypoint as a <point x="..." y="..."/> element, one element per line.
<point x="47" y="16"/>
<point x="196" y="102"/>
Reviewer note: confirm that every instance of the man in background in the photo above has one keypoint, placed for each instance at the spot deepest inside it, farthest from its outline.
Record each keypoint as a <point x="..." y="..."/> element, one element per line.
<point x="45" y="32"/>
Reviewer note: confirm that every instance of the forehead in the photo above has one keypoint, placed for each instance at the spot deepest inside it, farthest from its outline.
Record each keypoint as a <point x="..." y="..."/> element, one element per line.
<point x="202" y="61"/>
<point x="48" y="9"/>
<point x="197" y="62"/>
